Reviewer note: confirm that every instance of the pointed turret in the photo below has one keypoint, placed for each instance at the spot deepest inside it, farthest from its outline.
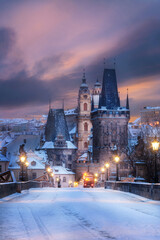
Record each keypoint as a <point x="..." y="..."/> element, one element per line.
<point x="96" y="94"/>
<point x="56" y="125"/>
<point x="110" y="98"/>
<point x="83" y="86"/>
<point x="127" y="101"/>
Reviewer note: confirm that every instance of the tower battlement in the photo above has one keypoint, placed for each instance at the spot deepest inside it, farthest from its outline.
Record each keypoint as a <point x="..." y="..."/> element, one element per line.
<point x="111" y="113"/>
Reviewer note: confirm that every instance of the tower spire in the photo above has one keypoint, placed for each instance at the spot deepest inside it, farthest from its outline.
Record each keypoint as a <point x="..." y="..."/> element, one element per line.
<point x="84" y="76"/>
<point x="114" y="63"/>
<point x="104" y="63"/>
<point x="63" y="103"/>
<point x="49" y="104"/>
<point x="127" y="101"/>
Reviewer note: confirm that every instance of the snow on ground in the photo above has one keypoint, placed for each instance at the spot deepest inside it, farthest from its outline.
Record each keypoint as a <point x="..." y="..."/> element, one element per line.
<point x="78" y="214"/>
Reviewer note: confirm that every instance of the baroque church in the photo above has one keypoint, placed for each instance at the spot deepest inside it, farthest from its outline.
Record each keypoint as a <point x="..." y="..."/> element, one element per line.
<point x="85" y="138"/>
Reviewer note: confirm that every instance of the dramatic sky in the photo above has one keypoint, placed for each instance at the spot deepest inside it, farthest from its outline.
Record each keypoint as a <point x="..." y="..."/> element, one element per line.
<point x="45" y="44"/>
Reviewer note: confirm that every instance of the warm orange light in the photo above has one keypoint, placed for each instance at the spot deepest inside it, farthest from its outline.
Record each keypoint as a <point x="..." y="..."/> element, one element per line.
<point x="52" y="174"/>
<point x="96" y="174"/>
<point x="155" y="145"/>
<point x="95" y="179"/>
<point x="107" y="165"/>
<point x="22" y="159"/>
<point x="27" y="164"/>
<point x="75" y="184"/>
<point x="48" y="169"/>
<point x="102" y="170"/>
<point x="117" y="159"/>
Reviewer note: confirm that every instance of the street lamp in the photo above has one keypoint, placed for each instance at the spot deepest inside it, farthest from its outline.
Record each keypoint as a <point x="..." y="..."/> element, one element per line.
<point x="48" y="169"/>
<point x="102" y="170"/>
<point x="117" y="161"/>
<point x="155" y="147"/>
<point x="96" y="175"/>
<point x="23" y="163"/>
<point x="107" y="166"/>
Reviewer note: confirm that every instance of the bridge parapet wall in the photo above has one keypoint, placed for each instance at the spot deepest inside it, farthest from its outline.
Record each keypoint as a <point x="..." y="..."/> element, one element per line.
<point x="148" y="190"/>
<point x="10" y="188"/>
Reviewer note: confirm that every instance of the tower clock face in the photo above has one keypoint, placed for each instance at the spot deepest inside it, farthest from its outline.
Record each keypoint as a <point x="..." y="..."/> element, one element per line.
<point x="85" y="96"/>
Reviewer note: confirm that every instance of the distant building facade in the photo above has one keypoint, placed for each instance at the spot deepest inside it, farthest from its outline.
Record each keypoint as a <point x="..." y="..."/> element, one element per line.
<point x="150" y="115"/>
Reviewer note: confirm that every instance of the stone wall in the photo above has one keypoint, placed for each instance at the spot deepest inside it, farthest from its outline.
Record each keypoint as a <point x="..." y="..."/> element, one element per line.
<point x="7" y="189"/>
<point x="10" y="188"/>
<point x="148" y="190"/>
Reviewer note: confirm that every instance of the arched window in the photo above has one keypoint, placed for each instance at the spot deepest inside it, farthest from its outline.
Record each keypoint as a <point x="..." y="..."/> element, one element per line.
<point x="85" y="106"/>
<point x="85" y="126"/>
<point x="85" y="145"/>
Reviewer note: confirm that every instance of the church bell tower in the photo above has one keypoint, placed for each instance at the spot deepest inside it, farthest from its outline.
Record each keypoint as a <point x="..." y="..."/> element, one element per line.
<point x="84" y="118"/>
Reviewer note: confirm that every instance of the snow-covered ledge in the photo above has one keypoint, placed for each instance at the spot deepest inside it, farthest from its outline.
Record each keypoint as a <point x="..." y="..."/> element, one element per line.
<point x="148" y="190"/>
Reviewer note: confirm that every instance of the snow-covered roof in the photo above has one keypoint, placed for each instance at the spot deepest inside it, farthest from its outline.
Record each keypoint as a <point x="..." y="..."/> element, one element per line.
<point x="35" y="161"/>
<point x="50" y="145"/>
<point x="59" y="170"/>
<point x="30" y="142"/>
<point x="3" y="158"/>
<point x="73" y="131"/>
<point x="137" y="121"/>
<point x="70" y="111"/>
<point x="4" y="142"/>
<point x="83" y="157"/>
<point x="152" y="108"/>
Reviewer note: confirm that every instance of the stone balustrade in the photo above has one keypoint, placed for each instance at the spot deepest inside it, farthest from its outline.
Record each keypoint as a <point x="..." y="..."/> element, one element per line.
<point x="13" y="187"/>
<point x="148" y="190"/>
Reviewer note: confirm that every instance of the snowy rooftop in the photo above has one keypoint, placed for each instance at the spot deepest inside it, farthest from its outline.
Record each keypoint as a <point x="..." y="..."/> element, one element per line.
<point x="3" y="158"/>
<point x="50" y="145"/>
<point x="57" y="170"/>
<point x="152" y="108"/>
<point x="34" y="159"/>
<point x="83" y="157"/>
<point x="70" y="111"/>
<point x="73" y="131"/>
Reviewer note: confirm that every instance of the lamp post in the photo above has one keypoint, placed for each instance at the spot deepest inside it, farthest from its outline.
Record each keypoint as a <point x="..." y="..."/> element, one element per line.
<point x="155" y="147"/>
<point x="117" y="161"/>
<point x="107" y="166"/>
<point x="23" y="163"/>
<point x="102" y="170"/>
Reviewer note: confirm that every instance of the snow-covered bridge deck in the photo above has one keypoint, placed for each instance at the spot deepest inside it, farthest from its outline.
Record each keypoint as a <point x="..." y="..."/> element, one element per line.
<point x="78" y="214"/>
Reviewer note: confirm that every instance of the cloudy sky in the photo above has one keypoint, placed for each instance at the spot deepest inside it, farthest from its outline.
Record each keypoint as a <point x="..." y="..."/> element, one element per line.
<point x="45" y="44"/>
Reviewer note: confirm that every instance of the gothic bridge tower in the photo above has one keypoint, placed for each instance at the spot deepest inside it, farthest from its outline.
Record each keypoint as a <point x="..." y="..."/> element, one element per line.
<point x="110" y="121"/>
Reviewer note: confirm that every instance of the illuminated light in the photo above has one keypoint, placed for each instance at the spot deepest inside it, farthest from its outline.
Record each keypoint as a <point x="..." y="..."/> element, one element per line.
<point x="117" y="159"/>
<point x="155" y="145"/>
<point x="95" y="179"/>
<point x="27" y="164"/>
<point x="107" y="165"/>
<point x="85" y="174"/>
<point x="48" y="169"/>
<point x="75" y="184"/>
<point x="96" y="174"/>
<point x="102" y="170"/>
<point x="22" y="159"/>
<point x="52" y="174"/>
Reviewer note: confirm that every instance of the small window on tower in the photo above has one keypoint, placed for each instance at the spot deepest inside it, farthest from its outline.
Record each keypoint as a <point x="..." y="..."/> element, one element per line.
<point x="85" y="145"/>
<point x="85" y="106"/>
<point x="85" y="126"/>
